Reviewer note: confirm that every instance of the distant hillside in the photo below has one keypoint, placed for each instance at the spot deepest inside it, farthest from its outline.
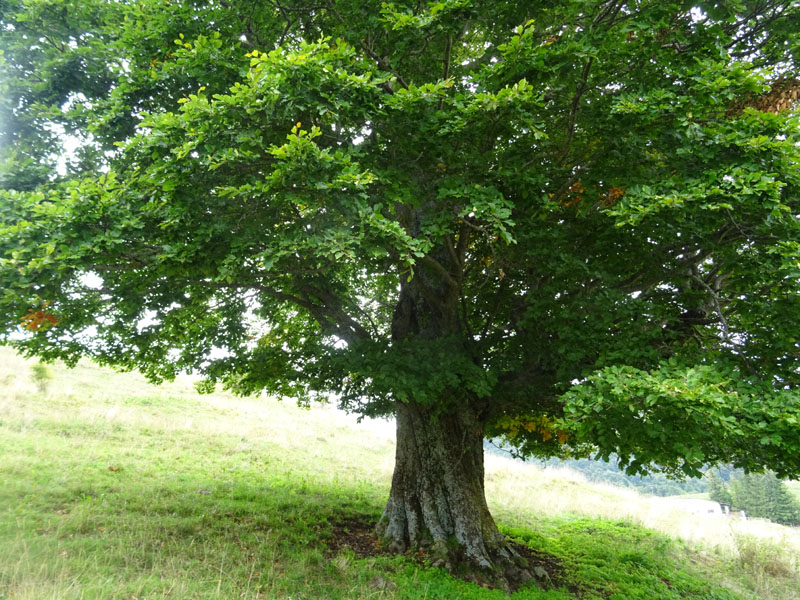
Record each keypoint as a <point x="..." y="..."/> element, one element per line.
<point x="609" y="472"/>
<point x="598" y="471"/>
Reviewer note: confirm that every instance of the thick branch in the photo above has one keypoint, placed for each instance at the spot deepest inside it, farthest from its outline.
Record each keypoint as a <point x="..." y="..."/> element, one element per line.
<point x="330" y="312"/>
<point x="463" y="242"/>
<point x="451" y="250"/>
<point x="437" y="266"/>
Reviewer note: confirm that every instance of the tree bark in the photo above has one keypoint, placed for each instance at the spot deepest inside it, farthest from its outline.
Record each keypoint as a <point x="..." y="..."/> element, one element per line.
<point x="437" y="498"/>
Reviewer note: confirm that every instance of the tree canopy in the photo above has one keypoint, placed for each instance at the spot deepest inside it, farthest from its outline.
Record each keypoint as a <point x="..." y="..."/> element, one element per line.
<point x="607" y="190"/>
<point x="576" y="222"/>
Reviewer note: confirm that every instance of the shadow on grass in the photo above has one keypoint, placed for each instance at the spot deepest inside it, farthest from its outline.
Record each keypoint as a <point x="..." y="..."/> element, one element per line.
<point x="289" y="537"/>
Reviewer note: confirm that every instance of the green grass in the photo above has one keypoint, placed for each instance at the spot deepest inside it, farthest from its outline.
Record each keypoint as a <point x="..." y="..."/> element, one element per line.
<point x="114" y="489"/>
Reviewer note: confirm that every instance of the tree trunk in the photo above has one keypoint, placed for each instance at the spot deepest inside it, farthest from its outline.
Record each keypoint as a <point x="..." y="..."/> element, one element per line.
<point x="437" y="498"/>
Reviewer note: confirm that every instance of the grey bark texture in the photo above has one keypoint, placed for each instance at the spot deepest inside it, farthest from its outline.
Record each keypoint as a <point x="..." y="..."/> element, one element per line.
<point x="437" y="498"/>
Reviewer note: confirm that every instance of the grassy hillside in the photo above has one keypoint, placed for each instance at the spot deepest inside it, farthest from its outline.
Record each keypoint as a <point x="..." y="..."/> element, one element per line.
<point x="114" y="489"/>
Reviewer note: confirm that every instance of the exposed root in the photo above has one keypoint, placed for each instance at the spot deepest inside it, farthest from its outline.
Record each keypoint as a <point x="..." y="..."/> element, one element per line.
<point x="527" y="567"/>
<point x="505" y="565"/>
<point x="509" y="570"/>
<point x="437" y="504"/>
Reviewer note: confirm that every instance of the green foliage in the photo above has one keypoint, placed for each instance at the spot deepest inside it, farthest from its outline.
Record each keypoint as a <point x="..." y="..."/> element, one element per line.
<point x="41" y="376"/>
<point x="658" y="409"/>
<point x="576" y="219"/>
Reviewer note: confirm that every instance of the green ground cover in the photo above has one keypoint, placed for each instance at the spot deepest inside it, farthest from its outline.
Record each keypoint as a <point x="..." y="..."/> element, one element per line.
<point x="111" y="488"/>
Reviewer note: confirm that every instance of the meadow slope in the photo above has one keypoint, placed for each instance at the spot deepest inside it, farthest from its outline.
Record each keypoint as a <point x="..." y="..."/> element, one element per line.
<point x="112" y="488"/>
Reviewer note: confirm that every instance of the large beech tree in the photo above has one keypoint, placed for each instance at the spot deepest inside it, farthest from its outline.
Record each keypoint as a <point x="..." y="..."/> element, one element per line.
<point x="575" y="225"/>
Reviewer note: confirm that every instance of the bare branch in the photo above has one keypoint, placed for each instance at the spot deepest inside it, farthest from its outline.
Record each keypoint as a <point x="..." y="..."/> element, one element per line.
<point x="717" y="305"/>
<point x="446" y="64"/>
<point x="576" y="99"/>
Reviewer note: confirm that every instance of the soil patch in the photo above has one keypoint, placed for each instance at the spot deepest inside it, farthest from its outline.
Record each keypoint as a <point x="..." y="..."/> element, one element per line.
<point x="356" y="534"/>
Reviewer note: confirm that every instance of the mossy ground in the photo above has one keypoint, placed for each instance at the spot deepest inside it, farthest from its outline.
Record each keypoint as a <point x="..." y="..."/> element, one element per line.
<point x="111" y="488"/>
